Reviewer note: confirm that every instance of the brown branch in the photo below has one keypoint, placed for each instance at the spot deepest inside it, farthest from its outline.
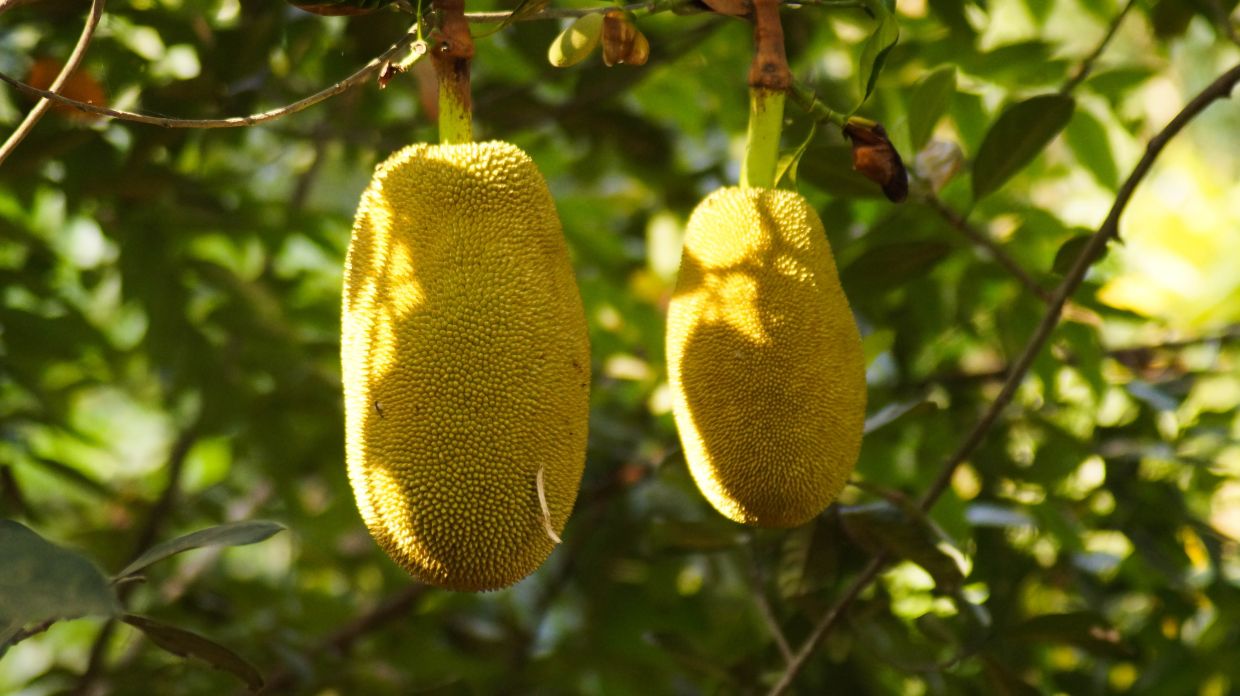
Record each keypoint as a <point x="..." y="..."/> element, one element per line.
<point x="652" y="7"/>
<point x="41" y="107"/>
<point x="451" y="53"/>
<point x="961" y="224"/>
<point x="769" y="69"/>
<point x="1220" y="88"/>
<point x="1087" y="65"/>
<point x="349" y="82"/>
<point x="765" y="611"/>
<point x="341" y="641"/>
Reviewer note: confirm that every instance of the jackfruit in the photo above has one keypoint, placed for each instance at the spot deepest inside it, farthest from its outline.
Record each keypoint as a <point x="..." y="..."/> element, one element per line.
<point x="764" y="359"/>
<point x="465" y="364"/>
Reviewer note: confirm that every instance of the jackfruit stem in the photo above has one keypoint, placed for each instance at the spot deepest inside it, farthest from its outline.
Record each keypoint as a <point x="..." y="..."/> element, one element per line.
<point x="769" y="82"/>
<point x="453" y="49"/>
<point x="766" y="122"/>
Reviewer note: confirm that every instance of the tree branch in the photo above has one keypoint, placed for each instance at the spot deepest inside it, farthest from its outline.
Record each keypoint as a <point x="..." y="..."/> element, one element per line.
<point x="651" y="7"/>
<point x="981" y="239"/>
<point x="236" y="121"/>
<point x="1220" y="88"/>
<point x="1087" y="65"/>
<point x="340" y="641"/>
<point x="41" y="107"/>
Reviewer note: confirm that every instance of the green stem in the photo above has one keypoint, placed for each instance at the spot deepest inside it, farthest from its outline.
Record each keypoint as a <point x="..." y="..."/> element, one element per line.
<point x="805" y="97"/>
<point x="766" y="122"/>
<point x="455" y="116"/>
<point x="451" y="53"/>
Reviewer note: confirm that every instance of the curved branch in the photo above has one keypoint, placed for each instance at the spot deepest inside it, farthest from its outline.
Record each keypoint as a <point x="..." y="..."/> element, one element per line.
<point x="651" y="7"/>
<point x="979" y="238"/>
<point x="1220" y="88"/>
<point x="344" y="85"/>
<point x="1087" y="65"/>
<point x="75" y="59"/>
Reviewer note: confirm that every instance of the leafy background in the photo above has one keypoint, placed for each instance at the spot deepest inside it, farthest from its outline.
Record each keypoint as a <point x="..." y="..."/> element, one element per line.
<point x="169" y="359"/>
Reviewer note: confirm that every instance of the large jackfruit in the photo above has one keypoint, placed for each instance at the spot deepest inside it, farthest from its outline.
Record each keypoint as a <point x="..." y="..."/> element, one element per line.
<point x="765" y="361"/>
<point x="466" y="365"/>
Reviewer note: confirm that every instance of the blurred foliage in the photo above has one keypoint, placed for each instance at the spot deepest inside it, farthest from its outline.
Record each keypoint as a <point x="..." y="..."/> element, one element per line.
<point x="169" y="340"/>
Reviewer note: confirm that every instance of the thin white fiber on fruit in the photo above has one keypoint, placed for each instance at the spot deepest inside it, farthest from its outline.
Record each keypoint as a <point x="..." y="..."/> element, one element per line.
<point x="546" y="511"/>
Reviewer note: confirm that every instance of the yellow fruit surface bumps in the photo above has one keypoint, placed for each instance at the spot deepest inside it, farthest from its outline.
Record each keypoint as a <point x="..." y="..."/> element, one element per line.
<point x="765" y="360"/>
<point x="466" y="365"/>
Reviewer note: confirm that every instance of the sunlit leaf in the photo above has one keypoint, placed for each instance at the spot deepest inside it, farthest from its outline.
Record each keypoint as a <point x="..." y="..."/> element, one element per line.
<point x="928" y="103"/>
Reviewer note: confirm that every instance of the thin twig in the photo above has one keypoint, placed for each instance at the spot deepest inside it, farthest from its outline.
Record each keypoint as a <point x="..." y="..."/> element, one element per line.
<point x="566" y="13"/>
<point x="340" y="641"/>
<point x="160" y="511"/>
<point x="1087" y="65"/>
<point x="961" y="224"/>
<point x="1219" y="89"/>
<point x="236" y="121"/>
<point x="765" y="610"/>
<point x="41" y="107"/>
<point x="651" y="7"/>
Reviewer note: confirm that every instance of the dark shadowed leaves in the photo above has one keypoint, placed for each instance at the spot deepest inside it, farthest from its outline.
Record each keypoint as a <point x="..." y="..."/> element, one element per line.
<point x="179" y="641"/>
<point x="884" y="528"/>
<point x="43" y="582"/>
<point x="1084" y="629"/>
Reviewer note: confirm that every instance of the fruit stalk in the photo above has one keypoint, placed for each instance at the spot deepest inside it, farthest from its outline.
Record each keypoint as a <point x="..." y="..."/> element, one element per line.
<point x="769" y="82"/>
<point x="453" y="49"/>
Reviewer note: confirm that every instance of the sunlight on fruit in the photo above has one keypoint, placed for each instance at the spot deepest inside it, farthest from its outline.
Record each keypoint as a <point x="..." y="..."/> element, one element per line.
<point x="1180" y="261"/>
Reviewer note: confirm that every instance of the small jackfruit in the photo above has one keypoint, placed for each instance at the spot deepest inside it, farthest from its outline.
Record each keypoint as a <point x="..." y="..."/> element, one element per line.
<point x="764" y="359"/>
<point x="465" y="364"/>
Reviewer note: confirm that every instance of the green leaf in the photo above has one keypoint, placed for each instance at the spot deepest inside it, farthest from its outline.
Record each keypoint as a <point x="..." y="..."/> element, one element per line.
<point x="1088" y="139"/>
<point x="179" y="641"/>
<point x="828" y="168"/>
<point x="896" y="410"/>
<point x="1068" y="252"/>
<point x="808" y="557"/>
<point x="786" y="168"/>
<point x="45" y="582"/>
<point x="875" y="49"/>
<point x="890" y="265"/>
<point x="883" y="527"/>
<point x="1020" y="133"/>
<point x="231" y="534"/>
<point x="928" y="103"/>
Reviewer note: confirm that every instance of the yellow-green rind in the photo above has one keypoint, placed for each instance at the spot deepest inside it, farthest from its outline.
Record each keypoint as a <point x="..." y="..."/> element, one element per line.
<point x="764" y="359"/>
<point x="465" y="362"/>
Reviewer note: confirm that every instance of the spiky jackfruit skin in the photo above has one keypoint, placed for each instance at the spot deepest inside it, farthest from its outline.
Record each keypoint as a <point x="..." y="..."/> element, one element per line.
<point x="465" y="363"/>
<point x="764" y="359"/>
